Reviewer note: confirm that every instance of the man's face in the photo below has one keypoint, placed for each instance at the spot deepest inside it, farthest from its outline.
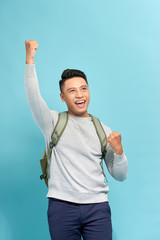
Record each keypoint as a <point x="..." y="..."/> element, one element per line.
<point x="76" y="95"/>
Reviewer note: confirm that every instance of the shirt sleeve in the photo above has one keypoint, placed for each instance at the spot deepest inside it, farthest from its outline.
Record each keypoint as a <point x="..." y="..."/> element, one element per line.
<point x="117" y="165"/>
<point x="40" y="111"/>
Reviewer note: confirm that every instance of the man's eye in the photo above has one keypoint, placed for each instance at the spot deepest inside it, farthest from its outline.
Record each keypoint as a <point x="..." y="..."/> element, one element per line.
<point x="83" y="89"/>
<point x="72" y="90"/>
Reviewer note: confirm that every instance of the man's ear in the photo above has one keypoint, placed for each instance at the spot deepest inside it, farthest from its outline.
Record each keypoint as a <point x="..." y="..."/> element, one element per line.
<point x="62" y="97"/>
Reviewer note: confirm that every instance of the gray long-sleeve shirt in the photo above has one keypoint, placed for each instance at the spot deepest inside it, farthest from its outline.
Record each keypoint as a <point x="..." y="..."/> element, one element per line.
<point x="75" y="164"/>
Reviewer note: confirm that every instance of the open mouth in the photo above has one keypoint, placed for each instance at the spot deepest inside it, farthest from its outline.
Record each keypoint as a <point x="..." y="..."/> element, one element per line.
<point x="80" y="103"/>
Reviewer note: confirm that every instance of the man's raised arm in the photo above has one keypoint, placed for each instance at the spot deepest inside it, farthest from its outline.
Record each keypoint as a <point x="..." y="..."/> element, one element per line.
<point x="39" y="108"/>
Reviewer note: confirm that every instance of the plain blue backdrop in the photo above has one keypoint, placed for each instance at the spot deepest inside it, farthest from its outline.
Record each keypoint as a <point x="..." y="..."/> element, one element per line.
<point x="117" y="44"/>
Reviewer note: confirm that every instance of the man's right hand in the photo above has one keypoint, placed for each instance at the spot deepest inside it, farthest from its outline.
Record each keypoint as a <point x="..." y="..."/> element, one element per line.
<point x="31" y="47"/>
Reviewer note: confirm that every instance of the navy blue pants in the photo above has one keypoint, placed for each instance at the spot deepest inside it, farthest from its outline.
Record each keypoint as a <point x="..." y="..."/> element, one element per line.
<point x="71" y="221"/>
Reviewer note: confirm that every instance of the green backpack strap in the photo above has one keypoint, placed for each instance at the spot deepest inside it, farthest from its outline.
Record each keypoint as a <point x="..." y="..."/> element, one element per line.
<point x="56" y="134"/>
<point x="102" y="137"/>
<point x="57" y="131"/>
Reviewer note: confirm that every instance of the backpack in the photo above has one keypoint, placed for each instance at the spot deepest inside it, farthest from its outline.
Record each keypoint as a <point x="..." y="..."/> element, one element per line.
<point x="56" y="134"/>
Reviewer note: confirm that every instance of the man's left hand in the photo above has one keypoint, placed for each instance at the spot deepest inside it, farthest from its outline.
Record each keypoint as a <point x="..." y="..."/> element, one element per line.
<point x="114" y="141"/>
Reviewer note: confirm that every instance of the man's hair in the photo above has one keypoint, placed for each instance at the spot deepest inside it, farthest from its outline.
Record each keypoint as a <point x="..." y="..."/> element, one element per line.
<point x="70" y="73"/>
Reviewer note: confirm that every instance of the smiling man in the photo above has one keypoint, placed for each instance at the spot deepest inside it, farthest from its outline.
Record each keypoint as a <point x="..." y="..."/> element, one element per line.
<point x="75" y="92"/>
<point x="77" y="191"/>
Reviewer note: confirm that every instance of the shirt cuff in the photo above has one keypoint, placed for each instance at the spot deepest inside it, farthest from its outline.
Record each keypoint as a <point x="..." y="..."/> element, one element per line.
<point x="118" y="159"/>
<point x="29" y="69"/>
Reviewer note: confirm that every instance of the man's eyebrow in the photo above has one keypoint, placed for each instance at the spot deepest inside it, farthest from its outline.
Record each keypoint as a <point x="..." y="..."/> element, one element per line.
<point x="70" y="88"/>
<point x="84" y="85"/>
<point x="75" y="87"/>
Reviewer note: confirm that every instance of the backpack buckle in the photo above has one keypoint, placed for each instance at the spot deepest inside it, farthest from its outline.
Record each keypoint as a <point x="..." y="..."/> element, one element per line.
<point x="51" y="144"/>
<point x="43" y="176"/>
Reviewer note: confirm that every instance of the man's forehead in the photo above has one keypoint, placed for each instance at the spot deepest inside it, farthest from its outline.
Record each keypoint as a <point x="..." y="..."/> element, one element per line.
<point x="75" y="82"/>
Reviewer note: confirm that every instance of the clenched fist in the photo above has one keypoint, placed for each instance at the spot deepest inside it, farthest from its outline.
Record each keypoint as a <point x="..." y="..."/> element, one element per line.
<point x="31" y="47"/>
<point x="114" y="141"/>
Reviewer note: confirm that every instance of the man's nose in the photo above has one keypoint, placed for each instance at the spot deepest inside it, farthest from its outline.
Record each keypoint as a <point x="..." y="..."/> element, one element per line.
<point x="79" y="94"/>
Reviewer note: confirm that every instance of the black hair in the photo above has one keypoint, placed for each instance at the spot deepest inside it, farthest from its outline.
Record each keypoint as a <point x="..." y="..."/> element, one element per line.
<point x="70" y="73"/>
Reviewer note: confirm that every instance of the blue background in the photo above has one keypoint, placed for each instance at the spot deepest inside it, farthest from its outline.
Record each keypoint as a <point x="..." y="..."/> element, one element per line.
<point x="117" y="44"/>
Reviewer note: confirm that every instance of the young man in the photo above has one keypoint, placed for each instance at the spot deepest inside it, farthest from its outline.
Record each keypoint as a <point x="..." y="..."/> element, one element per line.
<point x="77" y="193"/>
